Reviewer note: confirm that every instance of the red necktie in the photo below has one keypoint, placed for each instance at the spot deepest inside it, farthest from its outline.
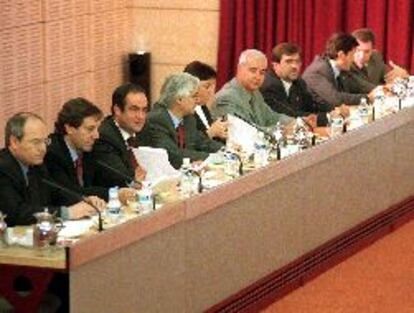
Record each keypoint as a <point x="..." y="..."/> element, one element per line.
<point x="79" y="169"/>
<point x="132" y="143"/>
<point x="181" y="136"/>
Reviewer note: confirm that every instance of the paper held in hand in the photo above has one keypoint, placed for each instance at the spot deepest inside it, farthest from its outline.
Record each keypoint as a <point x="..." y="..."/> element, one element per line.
<point x="159" y="170"/>
<point x="241" y="133"/>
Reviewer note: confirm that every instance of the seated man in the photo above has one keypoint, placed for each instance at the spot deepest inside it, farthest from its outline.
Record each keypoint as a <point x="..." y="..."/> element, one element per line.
<point x="368" y="63"/>
<point x="172" y="125"/>
<point x="118" y="134"/>
<point x="241" y="96"/>
<point x="22" y="189"/>
<point x="283" y="89"/>
<point x="67" y="160"/>
<point x="326" y="74"/>
<point x="215" y="129"/>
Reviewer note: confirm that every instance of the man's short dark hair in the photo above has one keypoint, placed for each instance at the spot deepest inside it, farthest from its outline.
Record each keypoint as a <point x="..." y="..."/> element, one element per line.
<point x="200" y="70"/>
<point x="15" y="125"/>
<point x="284" y="48"/>
<point x="121" y="92"/>
<point x="340" y="42"/>
<point x="364" y="35"/>
<point x="74" y="112"/>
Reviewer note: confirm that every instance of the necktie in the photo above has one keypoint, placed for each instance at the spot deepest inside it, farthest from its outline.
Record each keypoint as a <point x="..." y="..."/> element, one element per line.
<point x="181" y="136"/>
<point x="79" y="169"/>
<point x="132" y="142"/>
<point x="339" y="83"/>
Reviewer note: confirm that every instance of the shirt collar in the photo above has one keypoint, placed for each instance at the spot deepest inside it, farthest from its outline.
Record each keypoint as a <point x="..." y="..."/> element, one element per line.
<point x="73" y="153"/>
<point x="176" y="121"/>
<point x="335" y="68"/>
<point x="287" y="85"/>
<point x="125" y="135"/>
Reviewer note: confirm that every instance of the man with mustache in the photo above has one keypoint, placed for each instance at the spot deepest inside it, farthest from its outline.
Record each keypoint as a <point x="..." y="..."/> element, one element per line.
<point x="283" y="88"/>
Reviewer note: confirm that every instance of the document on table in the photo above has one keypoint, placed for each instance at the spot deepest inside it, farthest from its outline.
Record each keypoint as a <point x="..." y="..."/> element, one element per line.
<point x="241" y="133"/>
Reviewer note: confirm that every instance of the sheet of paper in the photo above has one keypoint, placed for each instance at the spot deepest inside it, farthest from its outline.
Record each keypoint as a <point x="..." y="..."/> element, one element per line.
<point x="241" y="133"/>
<point x="155" y="162"/>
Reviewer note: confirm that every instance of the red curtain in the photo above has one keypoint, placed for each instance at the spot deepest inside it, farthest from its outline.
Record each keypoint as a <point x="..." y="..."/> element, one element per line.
<point x="262" y="24"/>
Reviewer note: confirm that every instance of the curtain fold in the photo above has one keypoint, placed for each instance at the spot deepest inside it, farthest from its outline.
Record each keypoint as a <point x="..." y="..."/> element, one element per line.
<point x="262" y="24"/>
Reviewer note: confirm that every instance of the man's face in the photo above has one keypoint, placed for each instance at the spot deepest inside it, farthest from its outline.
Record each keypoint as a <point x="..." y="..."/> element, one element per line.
<point x="132" y="119"/>
<point x="188" y="104"/>
<point x="251" y="74"/>
<point x="344" y="60"/>
<point x="31" y="148"/>
<point x="83" y="137"/>
<point x="363" y="53"/>
<point x="289" y="67"/>
<point x="206" y="90"/>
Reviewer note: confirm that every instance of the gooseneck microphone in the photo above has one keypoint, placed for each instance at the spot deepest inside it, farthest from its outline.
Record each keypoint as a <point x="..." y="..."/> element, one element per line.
<point x="200" y="180"/>
<point x="291" y="111"/>
<point x="128" y="178"/>
<point x="77" y="196"/>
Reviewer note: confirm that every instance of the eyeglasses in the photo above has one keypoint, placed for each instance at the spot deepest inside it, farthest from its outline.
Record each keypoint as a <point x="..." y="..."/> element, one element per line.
<point x="39" y="142"/>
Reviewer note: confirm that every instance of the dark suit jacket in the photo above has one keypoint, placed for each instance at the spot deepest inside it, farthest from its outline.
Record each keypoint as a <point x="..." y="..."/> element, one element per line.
<point x="321" y="81"/>
<point x="164" y="135"/>
<point x="111" y="149"/>
<point x="62" y="170"/>
<point x="372" y="74"/>
<point x="19" y="200"/>
<point x="299" y="102"/>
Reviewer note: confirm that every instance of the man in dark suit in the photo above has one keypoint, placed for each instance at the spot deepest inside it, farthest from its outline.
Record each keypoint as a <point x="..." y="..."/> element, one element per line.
<point x="325" y="75"/>
<point x="118" y="134"/>
<point x="22" y="190"/>
<point x="67" y="157"/>
<point x="172" y="125"/>
<point x="283" y="89"/>
<point x="368" y="63"/>
<point x="215" y="129"/>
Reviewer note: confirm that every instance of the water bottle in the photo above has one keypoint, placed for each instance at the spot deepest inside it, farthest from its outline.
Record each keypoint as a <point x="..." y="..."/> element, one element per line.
<point x="186" y="180"/>
<point x="379" y="103"/>
<point x="337" y="125"/>
<point x="364" y="111"/>
<point x="3" y="230"/>
<point x="113" y="208"/>
<point x="261" y="155"/>
<point x="145" y="197"/>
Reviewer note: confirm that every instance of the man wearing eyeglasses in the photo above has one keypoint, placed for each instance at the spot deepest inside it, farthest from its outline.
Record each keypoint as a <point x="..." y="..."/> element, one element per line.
<point x="22" y="190"/>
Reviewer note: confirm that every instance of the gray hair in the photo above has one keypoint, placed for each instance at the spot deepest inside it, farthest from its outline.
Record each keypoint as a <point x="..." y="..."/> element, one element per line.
<point x="251" y="53"/>
<point x="15" y="125"/>
<point x="176" y="86"/>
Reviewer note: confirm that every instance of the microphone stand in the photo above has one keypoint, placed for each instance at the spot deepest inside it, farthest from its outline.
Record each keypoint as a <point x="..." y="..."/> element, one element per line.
<point x="117" y="172"/>
<point x="76" y="195"/>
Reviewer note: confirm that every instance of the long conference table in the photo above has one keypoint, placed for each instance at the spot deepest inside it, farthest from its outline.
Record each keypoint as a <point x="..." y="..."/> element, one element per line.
<point x="202" y="253"/>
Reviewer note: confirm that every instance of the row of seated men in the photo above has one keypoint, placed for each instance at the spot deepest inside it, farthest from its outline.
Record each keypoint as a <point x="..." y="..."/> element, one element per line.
<point x="89" y="153"/>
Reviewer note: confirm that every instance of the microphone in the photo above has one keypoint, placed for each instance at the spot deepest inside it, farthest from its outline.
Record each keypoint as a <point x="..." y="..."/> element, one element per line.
<point x="128" y="178"/>
<point x="77" y="196"/>
<point x="241" y="172"/>
<point x="200" y="181"/>
<point x="291" y="111"/>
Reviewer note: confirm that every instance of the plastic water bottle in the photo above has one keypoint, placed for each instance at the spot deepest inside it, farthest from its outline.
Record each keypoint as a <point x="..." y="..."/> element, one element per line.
<point x="113" y="208"/>
<point x="186" y="180"/>
<point x="337" y="125"/>
<point x="379" y="103"/>
<point x="260" y="151"/>
<point x="363" y="110"/>
<point x="145" y="197"/>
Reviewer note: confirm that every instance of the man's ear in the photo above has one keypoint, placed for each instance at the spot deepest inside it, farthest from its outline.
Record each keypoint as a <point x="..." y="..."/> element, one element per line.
<point x="69" y="129"/>
<point x="13" y="141"/>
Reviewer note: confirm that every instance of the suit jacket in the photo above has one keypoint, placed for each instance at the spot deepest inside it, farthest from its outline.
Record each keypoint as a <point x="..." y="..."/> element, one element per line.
<point x="164" y="135"/>
<point x="62" y="170"/>
<point x="372" y="74"/>
<point x="110" y="149"/>
<point x="20" y="200"/>
<point x="323" y="86"/>
<point x="234" y="99"/>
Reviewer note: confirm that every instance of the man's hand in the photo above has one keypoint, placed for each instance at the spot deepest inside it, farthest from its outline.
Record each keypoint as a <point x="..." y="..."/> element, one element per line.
<point x="140" y="173"/>
<point x="126" y="194"/>
<point x="218" y="129"/>
<point x="343" y="110"/>
<point x="82" y="209"/>
<point x="395" y="72"/>
<point x="311" y="119"/>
